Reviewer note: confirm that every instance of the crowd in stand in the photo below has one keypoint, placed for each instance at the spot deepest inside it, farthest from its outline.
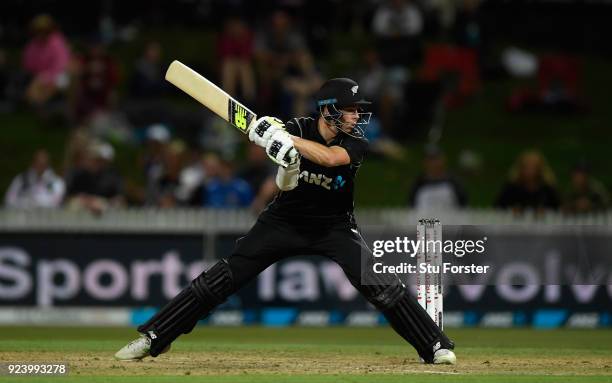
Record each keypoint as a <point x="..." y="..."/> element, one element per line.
<point x="189" y="158"/>
<point x="177" y="178"/>
<point x="530" y="186"/>
<point x="174" y="177"/>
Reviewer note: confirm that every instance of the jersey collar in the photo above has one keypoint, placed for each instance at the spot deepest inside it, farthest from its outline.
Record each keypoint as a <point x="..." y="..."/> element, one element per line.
<point x="335" y="141"/>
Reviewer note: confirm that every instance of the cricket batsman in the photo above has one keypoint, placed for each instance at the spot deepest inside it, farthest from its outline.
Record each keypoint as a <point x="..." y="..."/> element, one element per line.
<point x="312" y="214"/>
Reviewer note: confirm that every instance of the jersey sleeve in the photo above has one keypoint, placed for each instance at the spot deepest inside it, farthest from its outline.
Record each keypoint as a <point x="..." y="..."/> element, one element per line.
<point x="356" y="149"/>
<point x="293" y="128"/>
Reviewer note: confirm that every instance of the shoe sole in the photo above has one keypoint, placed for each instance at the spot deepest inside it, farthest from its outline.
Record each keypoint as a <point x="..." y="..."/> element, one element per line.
<point x="165" y="350"/>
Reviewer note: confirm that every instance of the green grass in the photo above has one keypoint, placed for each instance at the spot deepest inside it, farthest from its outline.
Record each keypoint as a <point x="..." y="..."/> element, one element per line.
<point x="256" y="354"/>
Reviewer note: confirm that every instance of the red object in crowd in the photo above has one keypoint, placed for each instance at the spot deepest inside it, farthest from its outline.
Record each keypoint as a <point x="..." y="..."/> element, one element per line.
<point x="560" y="71"/>
<point x="442" y="59"/>
<point x="98" y="78"/>
<point x="238" y="45"/>
<point x="559" y="85"/>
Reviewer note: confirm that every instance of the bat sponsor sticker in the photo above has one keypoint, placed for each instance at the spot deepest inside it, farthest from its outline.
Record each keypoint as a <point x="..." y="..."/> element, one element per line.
<point x="239" y="116"/>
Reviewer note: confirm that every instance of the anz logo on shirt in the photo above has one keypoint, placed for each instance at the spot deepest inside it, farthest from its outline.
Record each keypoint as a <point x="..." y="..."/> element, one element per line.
<point x="323" y="180"/>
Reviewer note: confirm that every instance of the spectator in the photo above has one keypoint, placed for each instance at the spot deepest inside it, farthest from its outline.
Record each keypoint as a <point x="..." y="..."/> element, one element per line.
<point x="378" y="84"/>
<point x="147" y="88"/>
<point x="559" y="88"/>
<point x="209" y="168"/>
<point x="531" y="185"/>
<point x="398" y="24"/>
<point x="45" y="59"/>
<point x="587" y="195"/>
<point x="436" y="189"/>
<point x="152" y="162"/>
<point x="259" y="173"/>
<point x="274" y="44"/>
<point x="439" y="15"/>
<point x="467" y="29"/>
<point x="191" y="177"/>
<point x="372" y="76"/>
<point x="223" y="188"/>
<point x="38" y="186"/>
<point x="469" y="32"/>
<point x="148" y="78"/>
<point x="95" y="185"/>
<point x="163" y="190"/>
<point x="4" y="83"/>
<point x="97" y="76"/>
<point x="235" y="52"/>
<point x="300" y="81"/>
<point x="77" y="149"/>
<point x="273" y="48"/>
<point x="397" y="18"/>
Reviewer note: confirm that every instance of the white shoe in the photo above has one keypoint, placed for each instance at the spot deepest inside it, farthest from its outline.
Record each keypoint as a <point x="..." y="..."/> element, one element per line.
<point x="136" y="349"/>
<point x="444" y="356"/>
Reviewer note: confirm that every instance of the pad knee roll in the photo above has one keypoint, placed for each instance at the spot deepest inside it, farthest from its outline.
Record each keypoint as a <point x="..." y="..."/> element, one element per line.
<point x="180" y="315"/>
<point x="215" y="285"/>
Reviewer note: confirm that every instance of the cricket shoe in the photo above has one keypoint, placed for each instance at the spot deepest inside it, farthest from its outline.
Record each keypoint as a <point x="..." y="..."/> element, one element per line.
<point x="136" y="349"/>
<point x="444" y="356"/>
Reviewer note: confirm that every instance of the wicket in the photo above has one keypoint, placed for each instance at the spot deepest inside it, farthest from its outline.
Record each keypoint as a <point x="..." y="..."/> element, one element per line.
<point x="429" y="285"/>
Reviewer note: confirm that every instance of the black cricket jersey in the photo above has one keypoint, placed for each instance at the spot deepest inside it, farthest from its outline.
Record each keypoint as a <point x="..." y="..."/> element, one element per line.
<point x="323" y="194"/>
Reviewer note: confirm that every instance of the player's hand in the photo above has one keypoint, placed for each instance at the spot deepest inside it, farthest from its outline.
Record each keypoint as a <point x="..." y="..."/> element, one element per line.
<point x="264" y="128"/>
<point x="280" y="149"/>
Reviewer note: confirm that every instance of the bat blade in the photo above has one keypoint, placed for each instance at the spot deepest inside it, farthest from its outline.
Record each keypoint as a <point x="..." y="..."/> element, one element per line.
<point x="210" y="95"/>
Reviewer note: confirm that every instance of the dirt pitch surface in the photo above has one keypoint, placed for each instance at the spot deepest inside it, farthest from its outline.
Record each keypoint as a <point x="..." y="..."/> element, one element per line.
<point x="256" y="354"/>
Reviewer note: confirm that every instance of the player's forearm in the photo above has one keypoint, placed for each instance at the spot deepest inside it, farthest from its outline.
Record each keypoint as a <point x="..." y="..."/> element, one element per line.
<point x="319" y="154"/>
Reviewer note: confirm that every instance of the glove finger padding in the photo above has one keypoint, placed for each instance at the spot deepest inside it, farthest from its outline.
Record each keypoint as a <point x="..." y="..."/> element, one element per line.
<point x="292" y="156"/>
<point x="279" y="147"/>
<point x="262" y="129"/>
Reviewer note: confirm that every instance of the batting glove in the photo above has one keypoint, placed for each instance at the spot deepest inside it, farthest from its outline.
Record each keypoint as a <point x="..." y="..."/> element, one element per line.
<point x="264" y="128"/>
<point x="288" y="178"/>
<point x="280" y="149"/>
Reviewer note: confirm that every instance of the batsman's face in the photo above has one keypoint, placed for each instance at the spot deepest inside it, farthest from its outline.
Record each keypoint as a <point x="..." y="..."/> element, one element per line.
<point x="350" y="116"/>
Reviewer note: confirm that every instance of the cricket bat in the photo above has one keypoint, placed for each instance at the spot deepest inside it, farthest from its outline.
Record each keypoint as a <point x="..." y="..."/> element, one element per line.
<point x="210" y="95"/>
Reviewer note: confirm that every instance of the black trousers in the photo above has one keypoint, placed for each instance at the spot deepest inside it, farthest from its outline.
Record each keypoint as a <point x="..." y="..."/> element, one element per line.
<point x="272" y="239"/>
